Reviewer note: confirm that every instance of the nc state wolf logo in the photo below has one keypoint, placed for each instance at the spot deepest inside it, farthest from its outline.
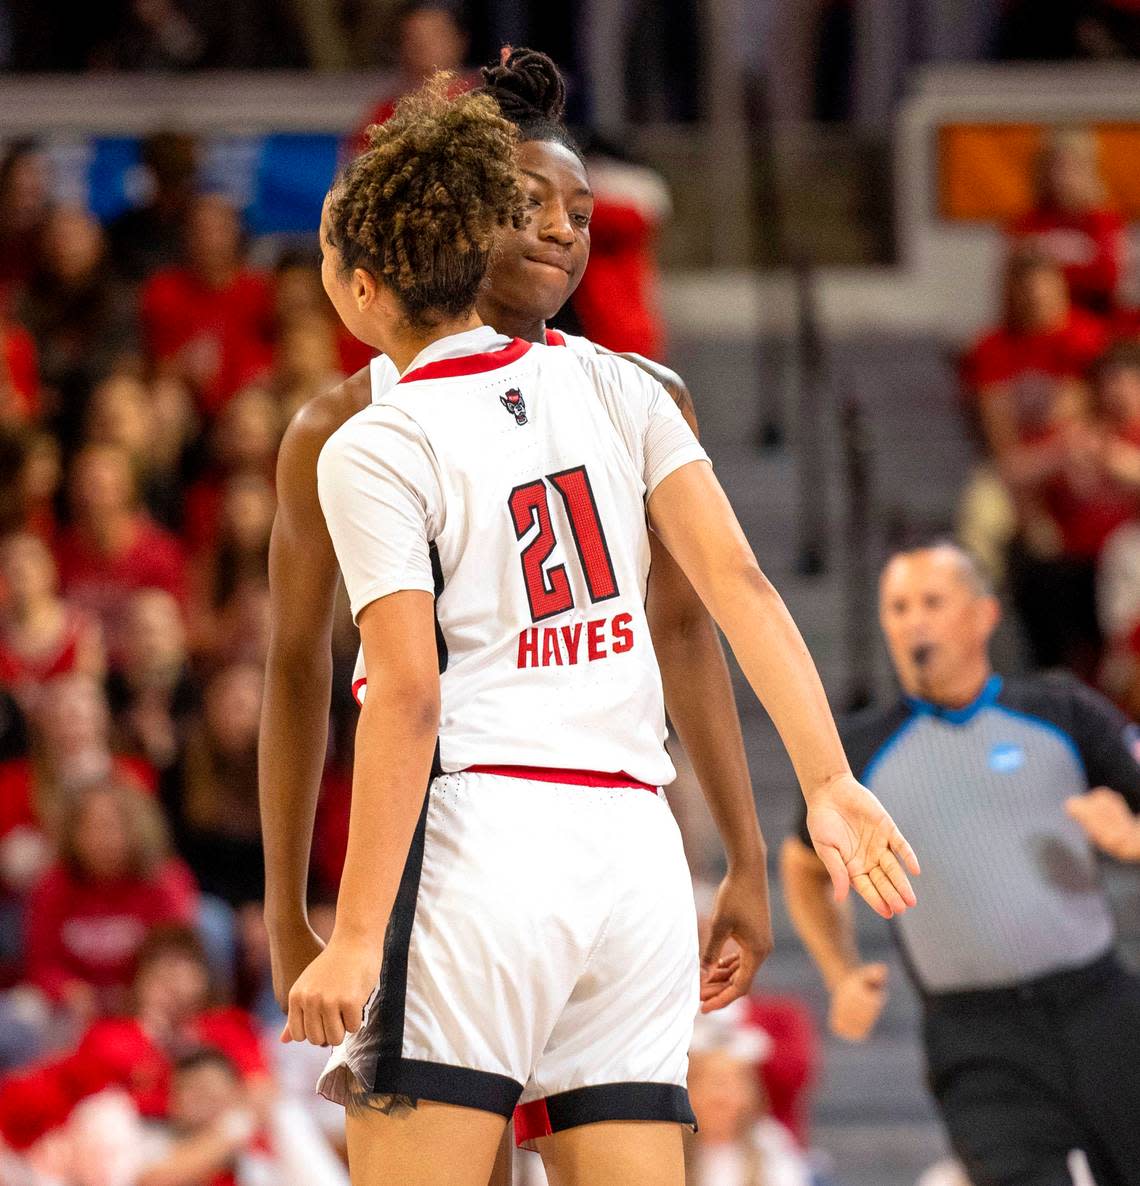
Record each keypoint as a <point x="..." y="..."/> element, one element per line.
<point x="515" y="404"/>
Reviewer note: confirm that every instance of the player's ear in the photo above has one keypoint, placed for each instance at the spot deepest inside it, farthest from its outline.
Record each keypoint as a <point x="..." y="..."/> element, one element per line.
<point x="364" y="288"/>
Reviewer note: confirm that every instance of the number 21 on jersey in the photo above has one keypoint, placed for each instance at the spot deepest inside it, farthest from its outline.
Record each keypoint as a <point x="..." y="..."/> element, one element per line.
<point x="548" y="591"/>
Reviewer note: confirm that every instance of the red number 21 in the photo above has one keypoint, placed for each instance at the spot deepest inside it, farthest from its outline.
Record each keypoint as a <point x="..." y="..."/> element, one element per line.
<point x="548" y="590"/>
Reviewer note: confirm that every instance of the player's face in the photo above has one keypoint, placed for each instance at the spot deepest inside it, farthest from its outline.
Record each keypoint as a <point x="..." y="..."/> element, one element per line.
<point x="535" y="269"/>
<point x="936" y="624"/>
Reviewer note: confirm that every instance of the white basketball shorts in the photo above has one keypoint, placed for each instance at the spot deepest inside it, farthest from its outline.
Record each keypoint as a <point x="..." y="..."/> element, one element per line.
<point x="542" y="952"/>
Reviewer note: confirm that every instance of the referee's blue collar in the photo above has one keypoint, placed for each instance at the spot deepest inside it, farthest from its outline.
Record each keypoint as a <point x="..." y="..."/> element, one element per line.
<point x="958" y="716"/>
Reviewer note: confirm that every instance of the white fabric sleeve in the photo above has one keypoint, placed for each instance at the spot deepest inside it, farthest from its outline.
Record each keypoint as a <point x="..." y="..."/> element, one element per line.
<point x="380" y="493"/>
<point x="645" y="415"/>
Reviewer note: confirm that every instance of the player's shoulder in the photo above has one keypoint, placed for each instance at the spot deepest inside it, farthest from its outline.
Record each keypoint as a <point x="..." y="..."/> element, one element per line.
<point x="319" y="417"/>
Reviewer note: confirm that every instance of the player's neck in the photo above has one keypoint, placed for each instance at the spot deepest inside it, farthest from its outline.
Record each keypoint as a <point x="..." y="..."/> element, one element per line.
<point x="406" y="342"/>
<point x="510" y="323"/>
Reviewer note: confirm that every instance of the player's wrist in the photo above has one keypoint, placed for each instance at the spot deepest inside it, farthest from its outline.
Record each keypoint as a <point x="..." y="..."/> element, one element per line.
<point x="824" y="785"/>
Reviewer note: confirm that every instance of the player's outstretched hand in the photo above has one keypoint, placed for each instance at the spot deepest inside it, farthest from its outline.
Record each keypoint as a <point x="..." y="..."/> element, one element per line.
<point x="861" y="846"/>
<point x="1108" y="821"/>
<point x="328" y="999"/>
<point x="741" y="916"/>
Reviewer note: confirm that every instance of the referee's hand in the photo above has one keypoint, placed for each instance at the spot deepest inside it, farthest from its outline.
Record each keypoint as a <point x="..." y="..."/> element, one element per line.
<point x="857" y="1000"/>
<point x="861" y="846"/>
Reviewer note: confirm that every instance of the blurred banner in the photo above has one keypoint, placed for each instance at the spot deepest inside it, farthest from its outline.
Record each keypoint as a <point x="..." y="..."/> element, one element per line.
<point x="277" y="180"/>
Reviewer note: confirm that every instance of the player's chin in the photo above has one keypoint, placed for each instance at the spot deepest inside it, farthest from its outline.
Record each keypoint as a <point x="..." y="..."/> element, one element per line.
<point x="547" y="286"/>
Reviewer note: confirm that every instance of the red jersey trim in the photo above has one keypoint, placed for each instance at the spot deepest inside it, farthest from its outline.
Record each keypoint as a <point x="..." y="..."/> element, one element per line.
<point x="554" y="338"/>
<point x="469" y="364"/>
<point x="577" y="778"/>
<point x="357" y="686"/>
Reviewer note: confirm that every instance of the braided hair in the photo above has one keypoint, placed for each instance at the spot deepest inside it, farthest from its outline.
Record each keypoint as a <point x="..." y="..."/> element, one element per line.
<point x="418" y="209"/>
<point x="531" y="93"/>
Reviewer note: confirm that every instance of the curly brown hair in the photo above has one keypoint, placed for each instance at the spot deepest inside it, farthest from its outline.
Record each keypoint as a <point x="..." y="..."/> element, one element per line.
<point x="419" y="208"/>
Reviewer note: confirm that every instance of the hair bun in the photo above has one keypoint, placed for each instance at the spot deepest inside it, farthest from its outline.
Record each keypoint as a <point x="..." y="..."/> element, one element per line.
<point x="528" y="85"/>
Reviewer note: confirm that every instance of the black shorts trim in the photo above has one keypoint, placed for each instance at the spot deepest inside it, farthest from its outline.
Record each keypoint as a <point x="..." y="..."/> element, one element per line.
<point x="441" y="1083"/>
<point x="663" y="1102"/>
<point x="393" y="989"/>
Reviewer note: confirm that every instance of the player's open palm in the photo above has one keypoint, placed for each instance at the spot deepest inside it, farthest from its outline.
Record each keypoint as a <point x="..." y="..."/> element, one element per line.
<point x="1108" y="821"/>
<point x="857" y="1000"/>
<point x="862" y="847"/>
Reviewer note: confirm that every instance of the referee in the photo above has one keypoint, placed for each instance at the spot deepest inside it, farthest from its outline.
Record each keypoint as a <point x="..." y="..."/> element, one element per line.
<point x="1030" y="1024"/>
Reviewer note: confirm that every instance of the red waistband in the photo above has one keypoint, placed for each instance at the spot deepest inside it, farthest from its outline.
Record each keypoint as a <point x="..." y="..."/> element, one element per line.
<point x="578" y="778"/>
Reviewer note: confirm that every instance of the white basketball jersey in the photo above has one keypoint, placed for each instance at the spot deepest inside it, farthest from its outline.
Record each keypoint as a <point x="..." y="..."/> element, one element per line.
<point x="384" y="377"/>
<point x="510" y="479"/>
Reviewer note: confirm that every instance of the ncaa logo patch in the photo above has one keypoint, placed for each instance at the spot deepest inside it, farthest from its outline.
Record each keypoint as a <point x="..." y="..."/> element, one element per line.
<point x="515" y="404"/>
<point x="1006" y="757"/>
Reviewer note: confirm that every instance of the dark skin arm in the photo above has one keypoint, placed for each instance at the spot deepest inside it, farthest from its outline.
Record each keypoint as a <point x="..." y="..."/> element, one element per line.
<point x="303" y="576"/>
<point x="699" y="697"/>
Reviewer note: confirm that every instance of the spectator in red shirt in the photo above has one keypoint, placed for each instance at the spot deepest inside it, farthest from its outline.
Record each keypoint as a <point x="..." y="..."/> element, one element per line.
<point x="112" y="546"/>
<point x="210" y="321"/>
<point x="429" y="37"/>
<point x="1025" y="376"/>
<point x="83" y="320"/>
<point x="170" y="1016"/>
<point x="1072" y="223"/>
<point x="113" y="881"/>
<point x="1026" y="382"/>
<point x="41" y="635"/>
<point x="71" y="748"/>
<point x="19" y="374"/>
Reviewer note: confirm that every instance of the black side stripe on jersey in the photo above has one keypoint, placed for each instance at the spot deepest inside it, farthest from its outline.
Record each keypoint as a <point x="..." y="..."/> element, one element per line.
<point x="440" y="641"/>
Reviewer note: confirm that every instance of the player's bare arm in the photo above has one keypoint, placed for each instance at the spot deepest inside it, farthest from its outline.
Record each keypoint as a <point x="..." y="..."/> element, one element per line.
<point x="826" y="928"/>
<point x="853" y="834"/>
<point x="395" y="742"/>
<point x="303" y="575"/>
<point x="699" y="697"/>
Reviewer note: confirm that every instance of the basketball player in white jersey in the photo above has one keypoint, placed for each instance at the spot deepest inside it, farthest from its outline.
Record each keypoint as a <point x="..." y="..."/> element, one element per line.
<point x="535" y="269"/>
<point x="526" y="930"/>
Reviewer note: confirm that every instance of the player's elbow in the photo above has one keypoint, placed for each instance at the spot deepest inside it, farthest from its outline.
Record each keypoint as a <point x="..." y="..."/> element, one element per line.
<point x="411" y="701"/>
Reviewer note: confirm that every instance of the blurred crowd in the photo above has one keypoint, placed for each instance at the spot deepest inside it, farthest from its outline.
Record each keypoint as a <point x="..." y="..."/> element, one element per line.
<point x="148" y="370"/>
<point x="1052" y="395"/>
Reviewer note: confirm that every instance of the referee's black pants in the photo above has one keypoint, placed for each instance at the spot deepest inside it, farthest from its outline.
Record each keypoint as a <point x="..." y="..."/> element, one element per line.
<point x="1025" y="1075"/>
